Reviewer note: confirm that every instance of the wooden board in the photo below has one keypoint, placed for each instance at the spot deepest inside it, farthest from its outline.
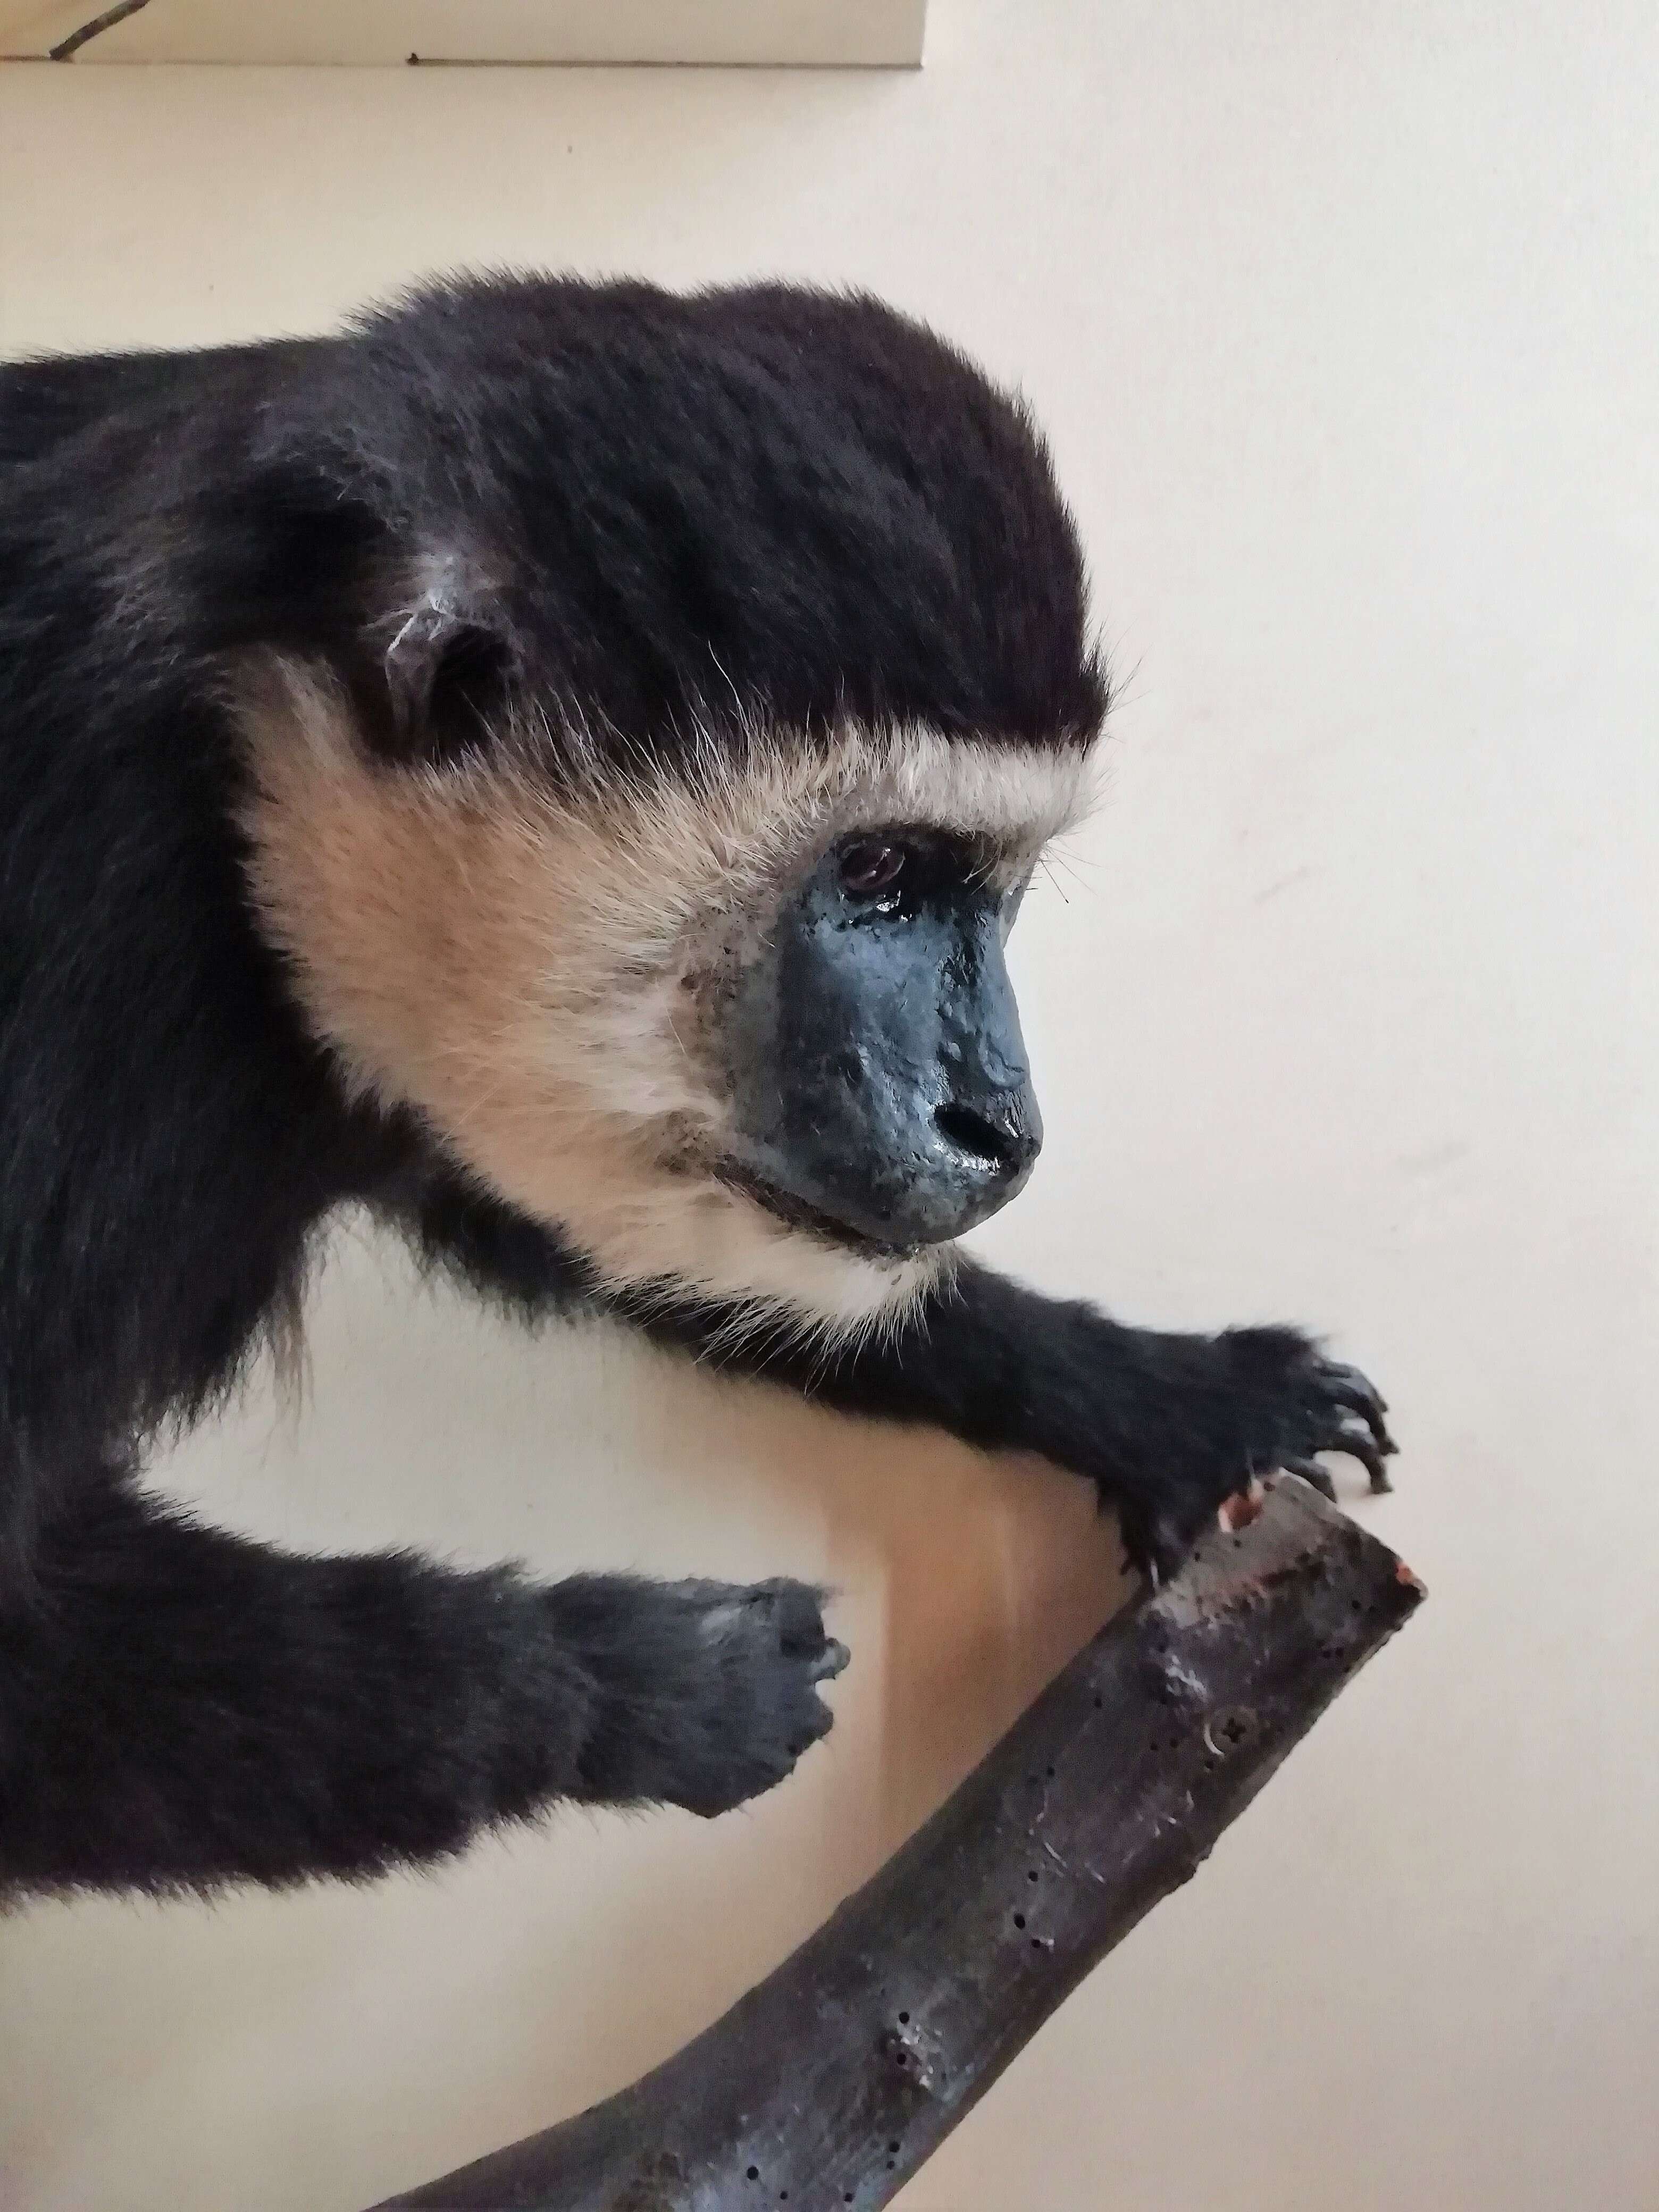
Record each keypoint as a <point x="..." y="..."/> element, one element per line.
<point x="792" y="34"/>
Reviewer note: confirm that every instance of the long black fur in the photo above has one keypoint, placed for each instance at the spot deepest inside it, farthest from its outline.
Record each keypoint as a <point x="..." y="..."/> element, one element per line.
<point x="656" y="515"/>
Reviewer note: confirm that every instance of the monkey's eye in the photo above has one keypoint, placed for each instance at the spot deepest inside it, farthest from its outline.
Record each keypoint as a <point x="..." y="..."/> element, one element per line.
<point x="870" y="865"/>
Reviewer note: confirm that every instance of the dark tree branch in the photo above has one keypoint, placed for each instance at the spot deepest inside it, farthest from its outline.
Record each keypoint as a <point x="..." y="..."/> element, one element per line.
<point x="828" y="2084"/>
<point x="66" y="49"/>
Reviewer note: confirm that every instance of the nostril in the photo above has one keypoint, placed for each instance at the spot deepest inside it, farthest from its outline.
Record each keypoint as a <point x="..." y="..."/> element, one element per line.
<point x="1001" y="1140"/>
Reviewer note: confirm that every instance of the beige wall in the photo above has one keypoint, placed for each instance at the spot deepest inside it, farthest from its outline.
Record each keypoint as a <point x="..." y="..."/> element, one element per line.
<point x="1344" y="322"/>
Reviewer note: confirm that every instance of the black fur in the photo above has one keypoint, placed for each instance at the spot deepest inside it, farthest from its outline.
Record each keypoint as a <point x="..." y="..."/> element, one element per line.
<point x="652" y="512"/>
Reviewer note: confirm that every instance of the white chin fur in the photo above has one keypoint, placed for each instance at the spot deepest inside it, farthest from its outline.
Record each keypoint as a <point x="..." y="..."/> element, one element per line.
<point x="708" y="1241"/>
<point x="517" y="965"/>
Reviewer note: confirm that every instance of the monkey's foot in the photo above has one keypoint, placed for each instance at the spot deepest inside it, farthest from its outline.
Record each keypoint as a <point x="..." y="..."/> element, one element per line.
<point x="706" y="1693"/>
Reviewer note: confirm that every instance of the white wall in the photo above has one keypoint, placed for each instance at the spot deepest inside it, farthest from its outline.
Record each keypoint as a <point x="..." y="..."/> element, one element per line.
<point x="1344" y="324"/>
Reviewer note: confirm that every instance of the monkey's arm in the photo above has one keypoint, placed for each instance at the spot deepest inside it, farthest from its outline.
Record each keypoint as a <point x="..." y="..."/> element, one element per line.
<point x="180" y="1707"/>
<point x="1166" y="1426"/>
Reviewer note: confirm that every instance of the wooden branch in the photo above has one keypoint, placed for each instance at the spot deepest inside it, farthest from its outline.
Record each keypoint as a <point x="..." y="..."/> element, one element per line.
<point x="830" y="2083"/>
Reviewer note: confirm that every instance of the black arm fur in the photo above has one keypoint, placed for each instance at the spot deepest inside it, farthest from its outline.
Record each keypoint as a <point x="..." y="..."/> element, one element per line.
<point x="1166" y="1426"/>
<point x="850" y="523"/>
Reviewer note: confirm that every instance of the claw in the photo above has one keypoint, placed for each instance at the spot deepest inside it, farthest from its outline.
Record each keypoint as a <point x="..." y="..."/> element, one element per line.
<point x="1356" y="1443"/>
<point x="1350" y="1386"/>
<point x="1166" y="1551"/>
<point x="1311" y="1471"/>
<point x="1152" y="1543"/>
<point x="1347" y="1388"/>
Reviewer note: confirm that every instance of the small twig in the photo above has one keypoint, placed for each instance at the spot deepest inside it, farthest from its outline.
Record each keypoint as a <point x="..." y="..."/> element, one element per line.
<point x="66" y="49"/>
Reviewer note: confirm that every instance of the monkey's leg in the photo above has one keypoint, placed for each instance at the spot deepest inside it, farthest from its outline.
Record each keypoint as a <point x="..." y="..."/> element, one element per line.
<point x="1168" y="1427"/>
<point x="180" y="1707"/>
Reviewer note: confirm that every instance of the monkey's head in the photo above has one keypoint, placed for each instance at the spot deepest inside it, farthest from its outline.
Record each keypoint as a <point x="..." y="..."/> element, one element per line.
<point x="719" y="672"/>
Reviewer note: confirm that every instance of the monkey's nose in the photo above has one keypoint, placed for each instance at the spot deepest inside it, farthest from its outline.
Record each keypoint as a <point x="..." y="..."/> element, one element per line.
<point x="1001" y="1133"/>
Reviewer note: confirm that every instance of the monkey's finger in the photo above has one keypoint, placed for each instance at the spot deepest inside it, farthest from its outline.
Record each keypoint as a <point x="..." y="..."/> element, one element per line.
<point x="1347" y="1388"/>
<point x="1367" y="1398"/>
<point x="1357" y="1443"/>
<point x="1311" y="1471"/>
<point x="1156" y="1552"/>
<point x="798" y="1608"/>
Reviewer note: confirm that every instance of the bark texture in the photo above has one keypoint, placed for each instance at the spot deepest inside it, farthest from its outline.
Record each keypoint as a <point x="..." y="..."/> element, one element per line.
<point x="828" y="2085"/>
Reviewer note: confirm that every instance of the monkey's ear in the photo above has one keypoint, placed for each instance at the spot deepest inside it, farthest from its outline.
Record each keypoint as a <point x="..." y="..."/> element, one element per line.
<point x="295" y="562"/>
<point x="446" y="666"/>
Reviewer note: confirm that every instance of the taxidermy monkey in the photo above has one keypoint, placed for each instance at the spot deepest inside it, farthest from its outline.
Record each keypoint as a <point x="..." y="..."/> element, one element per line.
<point x="555" y="765"/>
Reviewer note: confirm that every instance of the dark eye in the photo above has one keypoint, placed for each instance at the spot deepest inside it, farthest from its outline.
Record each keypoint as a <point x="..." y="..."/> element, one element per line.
<point x="870" y="865"/>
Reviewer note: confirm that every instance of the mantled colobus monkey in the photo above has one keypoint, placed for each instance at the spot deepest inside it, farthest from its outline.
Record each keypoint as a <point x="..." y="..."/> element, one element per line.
<point x="557" y="765"/>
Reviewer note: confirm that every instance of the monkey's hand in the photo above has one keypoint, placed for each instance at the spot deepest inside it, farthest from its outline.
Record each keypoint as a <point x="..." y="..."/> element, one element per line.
<point x="1215" y="1415"/>
<point x="1169" y="1428"/>
<point x="705" y="1694"/>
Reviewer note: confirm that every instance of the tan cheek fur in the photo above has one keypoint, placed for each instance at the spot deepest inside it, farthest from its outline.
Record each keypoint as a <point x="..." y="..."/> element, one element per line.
<point x="510" y="965"/>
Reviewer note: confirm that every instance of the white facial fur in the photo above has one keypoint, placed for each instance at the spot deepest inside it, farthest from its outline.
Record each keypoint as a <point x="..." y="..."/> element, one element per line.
<point x="522" y="964"/>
